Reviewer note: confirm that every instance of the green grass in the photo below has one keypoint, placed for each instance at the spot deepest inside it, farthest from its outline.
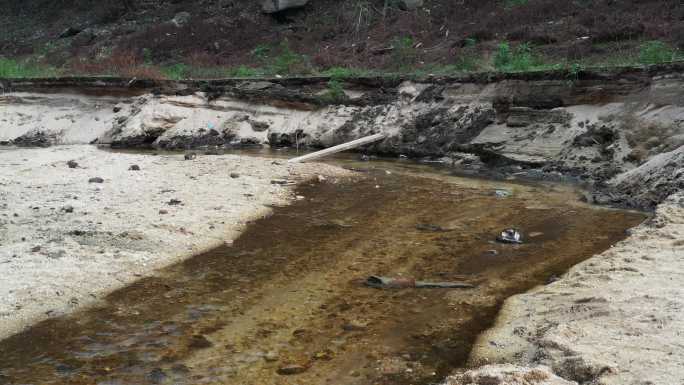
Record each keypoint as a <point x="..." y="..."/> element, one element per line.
<point x="656" y="52"/>
<point x="10" y="68"/>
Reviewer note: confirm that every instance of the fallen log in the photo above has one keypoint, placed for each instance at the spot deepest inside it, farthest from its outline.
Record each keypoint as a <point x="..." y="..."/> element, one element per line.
<point x="339" y="148"/>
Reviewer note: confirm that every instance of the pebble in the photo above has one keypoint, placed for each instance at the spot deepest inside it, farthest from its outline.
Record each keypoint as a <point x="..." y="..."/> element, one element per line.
<point x="190" y="156"/>
<point x="68" y="209"/>
<point x="289" y="370"/>
<point x="353" y="326"/>
<point x="134" y="167"/>
<point x="199" y="341"/>
<point x="234" y="175"/>
<point x="174" y="202"/>
<point x="163" y="212"/>
<point x="271" y="357"/>
<point x="96" y="180"/>
<point x="72" y="164"/>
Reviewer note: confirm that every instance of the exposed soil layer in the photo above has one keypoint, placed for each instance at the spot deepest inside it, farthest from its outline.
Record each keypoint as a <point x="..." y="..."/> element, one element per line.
<point x="607" y="128"/>
<point x="285" y="304"/>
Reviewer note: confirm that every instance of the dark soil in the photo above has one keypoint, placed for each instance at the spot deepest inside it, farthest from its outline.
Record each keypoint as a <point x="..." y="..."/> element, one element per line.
<point x="329" y="32"/>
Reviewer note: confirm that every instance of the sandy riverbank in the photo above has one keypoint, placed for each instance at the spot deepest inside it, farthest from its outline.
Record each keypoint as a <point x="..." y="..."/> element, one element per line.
<point x="65" y="242"/>
<point x="613" y="319"/>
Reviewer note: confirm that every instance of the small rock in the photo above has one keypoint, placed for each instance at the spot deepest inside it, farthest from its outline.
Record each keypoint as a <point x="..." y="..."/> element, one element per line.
<point x="69" y="32"/>
<point x="163" y="212"/>
<point x="271" y="357"/>
<point x="35" y="249"/>
<point x="72" y="164"/>
<point x="280" y="181"/>
<point x="68" y="209"/>
<point x="323" y="355"/>
<point x="96" y="180"/>
<point x="181" y="18"/>
<point x="289" y="370"/>
<point x="502" y="193"/>
<point x="134" y="167"/>
<point x="190" y="156"/>
<point x="234" y="175"/>
<point x="174" y="202"/>
<point x="156" y="376"/>
<point x="354" y="326"/>
<point x="199" y="341"/>
<point x="116" y="109"/>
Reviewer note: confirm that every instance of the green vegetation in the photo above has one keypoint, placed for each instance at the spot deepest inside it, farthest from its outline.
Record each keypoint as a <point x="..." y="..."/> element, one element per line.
<point x="335" y="92"/>
<point x="175" y="72"/>
<point x="280" y="59"/>
<point x="25" y="69"/>
<point x="513" y="60"/>
<point x="655" y="52"/>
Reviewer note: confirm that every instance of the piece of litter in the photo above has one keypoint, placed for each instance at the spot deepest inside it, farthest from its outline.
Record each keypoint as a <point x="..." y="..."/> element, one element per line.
<point x="510" y="236"/>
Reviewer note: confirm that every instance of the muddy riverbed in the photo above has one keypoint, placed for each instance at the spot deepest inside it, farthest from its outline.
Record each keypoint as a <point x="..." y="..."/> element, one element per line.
<point x="286" y="304"/>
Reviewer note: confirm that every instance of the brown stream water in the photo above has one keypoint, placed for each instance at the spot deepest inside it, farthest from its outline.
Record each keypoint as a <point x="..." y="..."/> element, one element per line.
<point x="289" y="291"/>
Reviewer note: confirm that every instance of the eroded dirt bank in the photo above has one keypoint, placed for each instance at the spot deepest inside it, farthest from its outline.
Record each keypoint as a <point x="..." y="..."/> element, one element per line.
<point x="286" y="304"/>
<point x="66" y="242"/>
<point x="594" y="125"/>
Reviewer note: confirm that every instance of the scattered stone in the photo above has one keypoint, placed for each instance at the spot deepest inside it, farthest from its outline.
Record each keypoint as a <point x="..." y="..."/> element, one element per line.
<point x="116" y="109"/>
<point x="502" y="193"/>
<point x="323" y="355"/>
<point x="354" y="326"/>
<point x="271" y="357"/>
<point x="156" y="376"/>
<point x="259" y="126"/>
<point x="181" y="18"/>
<point x="174" y="202"/>
<point x="163" y="212"/>
<point x="72" y="164"/>
<point x="190" y="156"/>
<point x="280" y="181"/>
<point x="134" y="167"/>
<point x="69" y="32"/>
<point x="430" y="227"/>
<point x="199" y="341"/>
<point x="234" y="175"/>
<point x="68" y="209"/>
<point x="96" y="180"/>
<point x="35" y="249"/>
<point x="289" y="370"/>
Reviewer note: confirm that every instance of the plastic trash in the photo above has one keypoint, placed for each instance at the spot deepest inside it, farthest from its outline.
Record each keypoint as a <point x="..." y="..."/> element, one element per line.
<point x="510" y="236"/>
<point x="502" y="193"/>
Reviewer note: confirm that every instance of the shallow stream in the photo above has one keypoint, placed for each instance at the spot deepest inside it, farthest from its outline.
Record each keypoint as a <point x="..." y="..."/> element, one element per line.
<point x="286" y="303"/>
